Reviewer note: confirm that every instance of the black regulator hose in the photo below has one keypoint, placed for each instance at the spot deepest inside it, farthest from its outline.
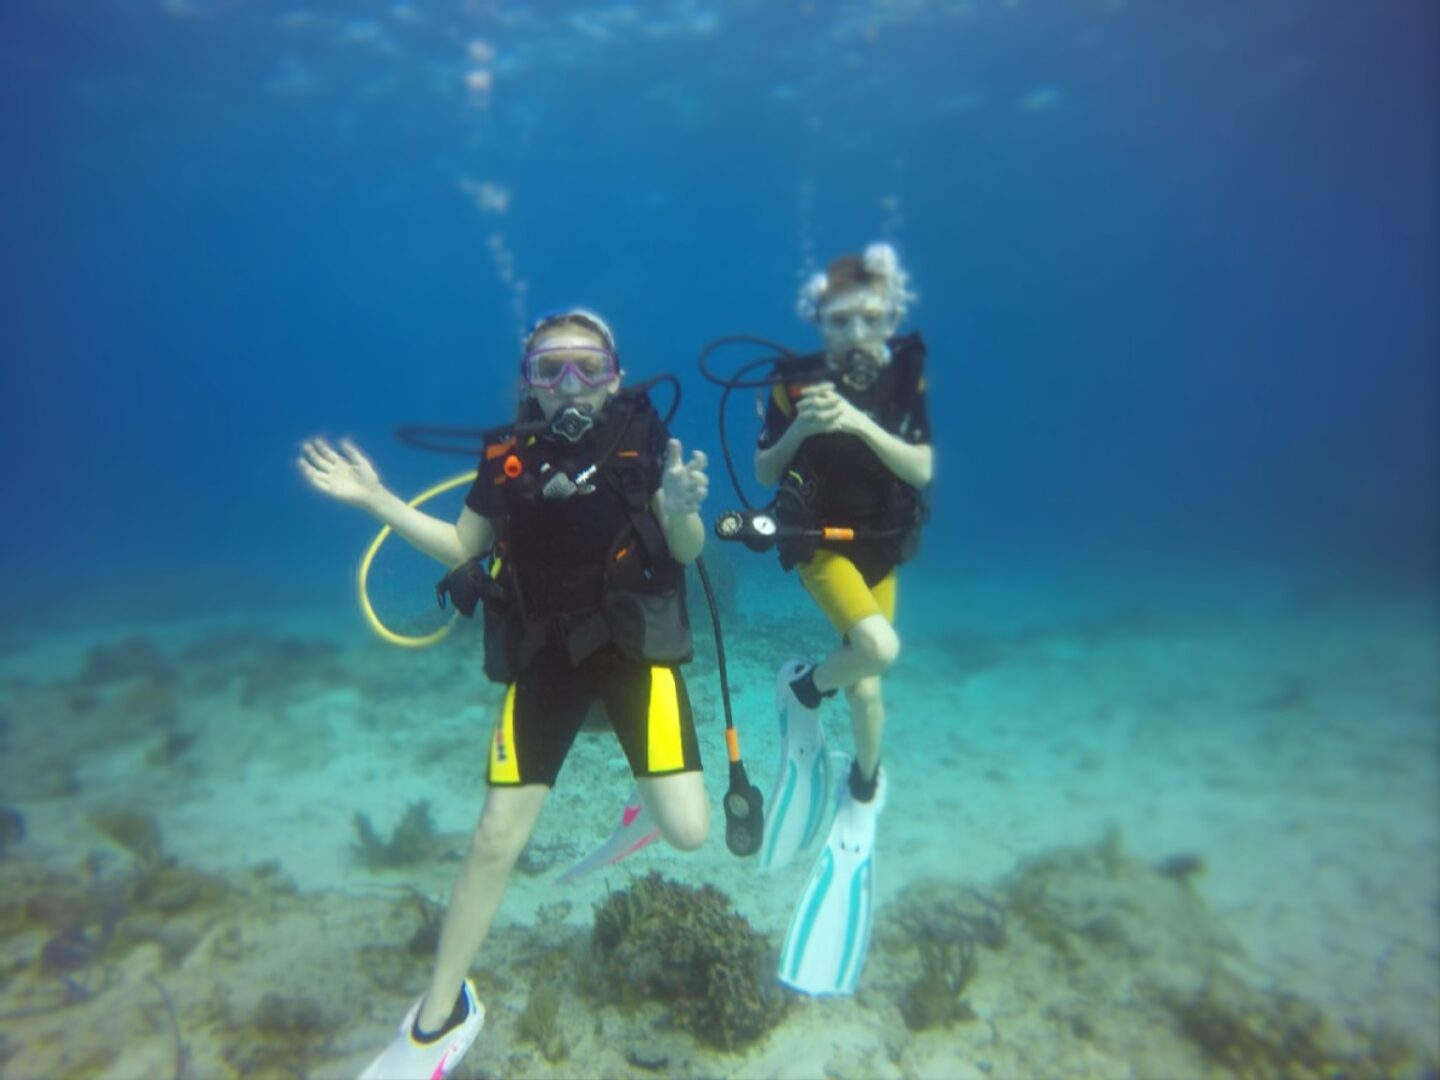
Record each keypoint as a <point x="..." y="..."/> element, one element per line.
<point x="744" y="805"/>
<point x="739" y="382"/>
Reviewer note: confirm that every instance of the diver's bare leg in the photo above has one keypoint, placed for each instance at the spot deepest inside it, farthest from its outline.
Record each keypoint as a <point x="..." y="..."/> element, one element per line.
<point x="867" y="717"/>
<point x="872" y="648"/>
<point x="680" y="807"/>
<point x="506" y="822"/>
<point x="857" y="667"/>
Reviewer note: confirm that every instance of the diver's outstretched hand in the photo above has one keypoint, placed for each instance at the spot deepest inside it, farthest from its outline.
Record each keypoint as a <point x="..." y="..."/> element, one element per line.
<point x="683" y="483"/>
<point x="345" y="475"/>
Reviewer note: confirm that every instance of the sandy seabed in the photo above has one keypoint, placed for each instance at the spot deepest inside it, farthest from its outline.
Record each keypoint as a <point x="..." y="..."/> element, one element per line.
<point x="1204" y="819"/>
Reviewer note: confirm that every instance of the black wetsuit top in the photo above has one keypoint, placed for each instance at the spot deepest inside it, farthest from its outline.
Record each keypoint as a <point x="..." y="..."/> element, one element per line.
<point x="569" y="532"/>
<point x="590" y="568"/>
<point x="852" y="485"/>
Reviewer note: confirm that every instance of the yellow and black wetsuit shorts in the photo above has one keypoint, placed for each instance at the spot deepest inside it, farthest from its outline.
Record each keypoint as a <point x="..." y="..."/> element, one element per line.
<point x="840" y="589"/>
<point x="547" y="704"/>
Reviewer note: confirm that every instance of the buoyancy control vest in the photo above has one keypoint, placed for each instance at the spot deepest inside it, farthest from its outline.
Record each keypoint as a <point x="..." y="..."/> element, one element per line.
<point x="836" y="480"/>
<point x="550" y="493"/>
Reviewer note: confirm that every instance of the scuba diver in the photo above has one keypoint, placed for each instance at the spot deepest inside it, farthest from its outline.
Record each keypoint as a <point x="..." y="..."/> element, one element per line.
<point x="589" y="513"/>
<point x="847" y="440"/>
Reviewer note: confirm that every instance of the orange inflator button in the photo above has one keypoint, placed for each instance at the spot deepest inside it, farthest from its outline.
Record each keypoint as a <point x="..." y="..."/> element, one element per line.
<point x="512" y="467"/>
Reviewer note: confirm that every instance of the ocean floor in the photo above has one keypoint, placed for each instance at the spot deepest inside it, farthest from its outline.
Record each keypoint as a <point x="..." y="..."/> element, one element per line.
<point x="1132" y="831"/>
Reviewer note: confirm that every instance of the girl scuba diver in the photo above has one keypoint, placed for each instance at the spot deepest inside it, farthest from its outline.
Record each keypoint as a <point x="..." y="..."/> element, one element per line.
<point x="590" y="514"/>
<point x="847" y="440"/>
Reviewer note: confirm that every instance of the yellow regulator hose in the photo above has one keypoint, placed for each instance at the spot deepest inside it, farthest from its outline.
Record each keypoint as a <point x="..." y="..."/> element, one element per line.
<point x="404" y="640"/>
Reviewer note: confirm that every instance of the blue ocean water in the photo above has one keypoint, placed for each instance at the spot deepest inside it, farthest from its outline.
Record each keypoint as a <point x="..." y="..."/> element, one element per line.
<point x="1177" y="267"/>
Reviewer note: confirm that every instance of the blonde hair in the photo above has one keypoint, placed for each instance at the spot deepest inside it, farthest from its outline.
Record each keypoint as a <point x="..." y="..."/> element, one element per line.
<point x="878" y="268"/>
<point x="583" y="318"/>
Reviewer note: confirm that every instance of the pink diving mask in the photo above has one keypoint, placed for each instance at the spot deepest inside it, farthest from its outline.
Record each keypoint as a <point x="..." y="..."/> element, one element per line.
<point x="546" y="366"/>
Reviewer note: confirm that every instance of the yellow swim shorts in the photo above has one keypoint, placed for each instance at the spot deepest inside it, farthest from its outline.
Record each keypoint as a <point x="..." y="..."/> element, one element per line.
<point x="840" y="590"/>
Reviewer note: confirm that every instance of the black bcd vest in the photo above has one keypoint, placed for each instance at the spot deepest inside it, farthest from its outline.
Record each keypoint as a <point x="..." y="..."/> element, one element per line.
<point x="635" y="599"/>
<point x="805" y="498"/>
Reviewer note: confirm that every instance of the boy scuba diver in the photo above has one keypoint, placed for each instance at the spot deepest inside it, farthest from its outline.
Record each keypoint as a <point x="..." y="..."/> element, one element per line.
<point x="590" y="514"/>
<point x="847" y="440"/>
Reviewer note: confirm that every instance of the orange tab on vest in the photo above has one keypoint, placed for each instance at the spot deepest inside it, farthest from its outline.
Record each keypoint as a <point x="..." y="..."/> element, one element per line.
<point x="494" y="450"/>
